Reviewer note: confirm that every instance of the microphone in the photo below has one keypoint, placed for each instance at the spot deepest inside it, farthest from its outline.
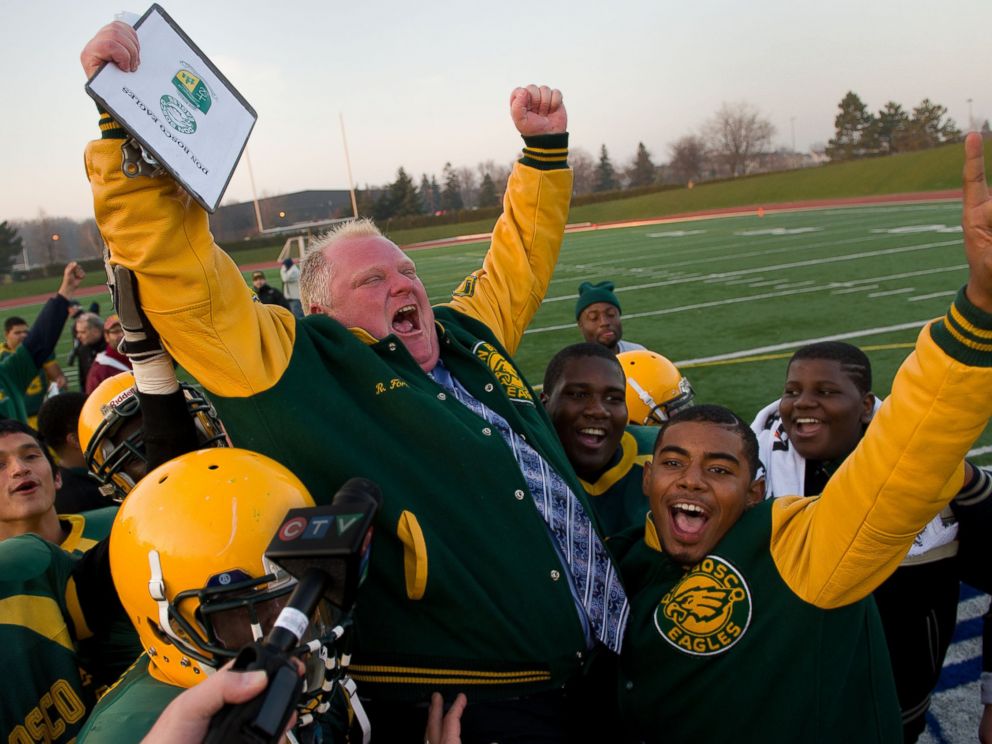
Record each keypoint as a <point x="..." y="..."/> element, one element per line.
<point x="327" y="549"/>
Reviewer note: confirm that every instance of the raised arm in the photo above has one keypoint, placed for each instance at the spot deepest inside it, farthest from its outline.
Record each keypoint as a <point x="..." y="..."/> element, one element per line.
<point x="191" y="290"/>
<point x="838" y="548"/>
<point x="509" y="288"/>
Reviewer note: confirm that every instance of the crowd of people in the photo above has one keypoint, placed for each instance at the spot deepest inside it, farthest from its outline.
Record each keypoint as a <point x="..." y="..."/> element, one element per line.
<point x="604" y="560"/>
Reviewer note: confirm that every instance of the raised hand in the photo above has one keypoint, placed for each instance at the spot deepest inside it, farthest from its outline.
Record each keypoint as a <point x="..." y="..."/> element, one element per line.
<point x="538" y="110"/>
<point x="72" y="275"/>
<point x="976" y="221"/>
<point x="116" y="42"/>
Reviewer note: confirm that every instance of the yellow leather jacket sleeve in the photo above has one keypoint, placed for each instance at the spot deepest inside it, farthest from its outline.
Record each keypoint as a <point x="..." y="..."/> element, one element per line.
<point x="509" y="288"/>
<point x="192" y="292"/>
<point x="837" y="548"/>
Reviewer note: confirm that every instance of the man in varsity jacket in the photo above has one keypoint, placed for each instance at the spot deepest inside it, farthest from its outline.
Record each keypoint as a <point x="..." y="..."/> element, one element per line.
<point x="749" y="618"/>
<point x="424" y="400"/>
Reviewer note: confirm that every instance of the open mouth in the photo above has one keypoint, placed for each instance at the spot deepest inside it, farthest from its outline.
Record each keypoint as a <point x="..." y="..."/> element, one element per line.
<point x="406" y="320"/>
<point x="807" y="426"/>
<point x="688" y="519"/>
<point x="25" y="486"/>
<point x="591" y="436"/>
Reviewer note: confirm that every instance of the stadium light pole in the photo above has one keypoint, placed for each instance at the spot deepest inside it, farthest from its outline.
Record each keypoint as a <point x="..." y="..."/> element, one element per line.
<point x="971" y="118"/>
<point x="347" y="162"/>
<point x="254" y="196"/>
<point x="792" y="125"/>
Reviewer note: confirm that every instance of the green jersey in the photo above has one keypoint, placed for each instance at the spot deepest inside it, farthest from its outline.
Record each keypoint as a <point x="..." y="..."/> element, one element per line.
<point x="46" y="695"/>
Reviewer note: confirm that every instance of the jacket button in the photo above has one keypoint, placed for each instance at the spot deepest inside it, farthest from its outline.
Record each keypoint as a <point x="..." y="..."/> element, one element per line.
<point x="519" y="495"/>
<point x="392" y="346"/>
<point x="555" y="574"/>
<point x="442" y="396"/>
<point x="489" y="387"/>
<point x="487" y="431"/>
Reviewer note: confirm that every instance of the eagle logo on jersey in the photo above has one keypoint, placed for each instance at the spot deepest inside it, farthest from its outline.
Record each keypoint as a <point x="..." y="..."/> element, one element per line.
<point x="505" y="373"/>
<point x="708" y="611"/>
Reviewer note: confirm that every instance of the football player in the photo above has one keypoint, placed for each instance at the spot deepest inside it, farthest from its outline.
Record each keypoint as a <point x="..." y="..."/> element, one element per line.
<point x="750" y="618"/>
<point x="584" y="396"/>
<point x="186" y="555"/>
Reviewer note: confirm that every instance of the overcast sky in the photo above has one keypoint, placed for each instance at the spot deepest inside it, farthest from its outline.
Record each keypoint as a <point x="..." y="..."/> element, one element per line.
<point x="421" y="83"/>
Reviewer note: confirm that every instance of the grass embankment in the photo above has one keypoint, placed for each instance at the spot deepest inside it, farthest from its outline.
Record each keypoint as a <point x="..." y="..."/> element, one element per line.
<point x="930" y="170"/>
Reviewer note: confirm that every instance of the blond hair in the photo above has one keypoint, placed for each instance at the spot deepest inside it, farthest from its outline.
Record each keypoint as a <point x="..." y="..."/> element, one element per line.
<point x="315" y="271"/>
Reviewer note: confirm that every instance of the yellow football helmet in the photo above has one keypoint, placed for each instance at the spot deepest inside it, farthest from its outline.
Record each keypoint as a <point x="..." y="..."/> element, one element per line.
<point x="186" y="555"/>
<point x="111" y="436"/>
<point x="655" y="388"/>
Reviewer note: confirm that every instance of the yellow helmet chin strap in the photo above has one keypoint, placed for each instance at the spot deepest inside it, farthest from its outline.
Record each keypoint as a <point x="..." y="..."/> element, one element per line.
<point x="648" y="401"/>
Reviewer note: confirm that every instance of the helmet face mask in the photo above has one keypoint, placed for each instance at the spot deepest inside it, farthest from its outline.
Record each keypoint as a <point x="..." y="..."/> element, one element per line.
<point x="116" y="452"/>
<point x="656" y="390"/>
<point x="213" y="623"/>
<point x="187" y="557"/>
<point x="112" y="438"/>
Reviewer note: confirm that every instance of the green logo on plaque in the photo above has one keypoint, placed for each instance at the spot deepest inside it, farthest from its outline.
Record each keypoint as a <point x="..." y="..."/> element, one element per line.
<point x="192" y="89"/>
<point x="179" y="117"/>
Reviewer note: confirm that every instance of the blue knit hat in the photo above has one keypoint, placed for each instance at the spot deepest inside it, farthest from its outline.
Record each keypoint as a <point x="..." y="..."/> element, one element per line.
<point x="590" y="293"/>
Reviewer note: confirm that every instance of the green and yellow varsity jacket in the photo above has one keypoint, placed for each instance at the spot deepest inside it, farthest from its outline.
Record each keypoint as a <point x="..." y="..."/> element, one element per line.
<point x="465" y="589"/>
<point x="17" y="370"/>
<point x="45" y="694"/>
<point x="771" y="637"/>
<point x="34" y="395"/>
<point x="617" y="496"/>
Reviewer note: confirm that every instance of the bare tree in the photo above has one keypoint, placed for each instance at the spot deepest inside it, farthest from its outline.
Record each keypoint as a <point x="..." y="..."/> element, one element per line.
<point x="583" y="171"/>
<point x="470" y="186"/>
<point x="737" y="133"/>
<point x="688" y="158"/>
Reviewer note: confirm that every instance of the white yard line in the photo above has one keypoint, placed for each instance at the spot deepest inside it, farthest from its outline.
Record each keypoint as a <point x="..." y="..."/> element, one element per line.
<point x="888" y="292"/>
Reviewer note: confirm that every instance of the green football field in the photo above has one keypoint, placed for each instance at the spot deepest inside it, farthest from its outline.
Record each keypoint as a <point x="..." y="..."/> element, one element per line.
<point x="728" y="299"/>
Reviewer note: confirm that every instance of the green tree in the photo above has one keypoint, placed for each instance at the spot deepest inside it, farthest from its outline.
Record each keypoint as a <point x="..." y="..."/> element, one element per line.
<point x="435" y="192"/>
<point x="853" y="125"/>
<point x="606" y="177"/>
<point x="11" y="247"/>
<point x="642" y="171"/>
<point x="487" y="192"/>
<point x="890" y="128"/>
<point x="426" y="193"/>
<point x="403" y="195"/>
<point x="451" y="195"/>
<point x="928" y="127"/>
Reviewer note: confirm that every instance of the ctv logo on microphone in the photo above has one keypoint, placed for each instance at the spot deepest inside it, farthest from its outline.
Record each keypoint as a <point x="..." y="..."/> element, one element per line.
<point x="317" y="527"/>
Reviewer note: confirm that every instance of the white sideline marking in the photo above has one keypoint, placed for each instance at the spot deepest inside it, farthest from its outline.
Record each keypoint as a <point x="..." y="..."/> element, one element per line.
<point x="765" y="269"/>
<point x="765" y="296"/>
<point x="930" y="296"/>
<point x="919" y="229"/>
<point x="970" y="648"/>
<point x="674" y="234"/>
<point x="855" y="289"/>
<point x="803" y="342"/>
<point x="980" y="451"/>
<point x="904" y="290"/>
<point x="969" y="609"/>
<point x="778" y="231"/>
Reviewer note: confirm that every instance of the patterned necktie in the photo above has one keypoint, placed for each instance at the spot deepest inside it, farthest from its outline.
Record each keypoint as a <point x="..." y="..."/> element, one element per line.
<point x="594" y="581"/>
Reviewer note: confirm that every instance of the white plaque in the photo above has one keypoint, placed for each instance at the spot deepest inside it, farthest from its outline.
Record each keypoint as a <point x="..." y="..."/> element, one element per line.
<point x="179" y="106"/>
